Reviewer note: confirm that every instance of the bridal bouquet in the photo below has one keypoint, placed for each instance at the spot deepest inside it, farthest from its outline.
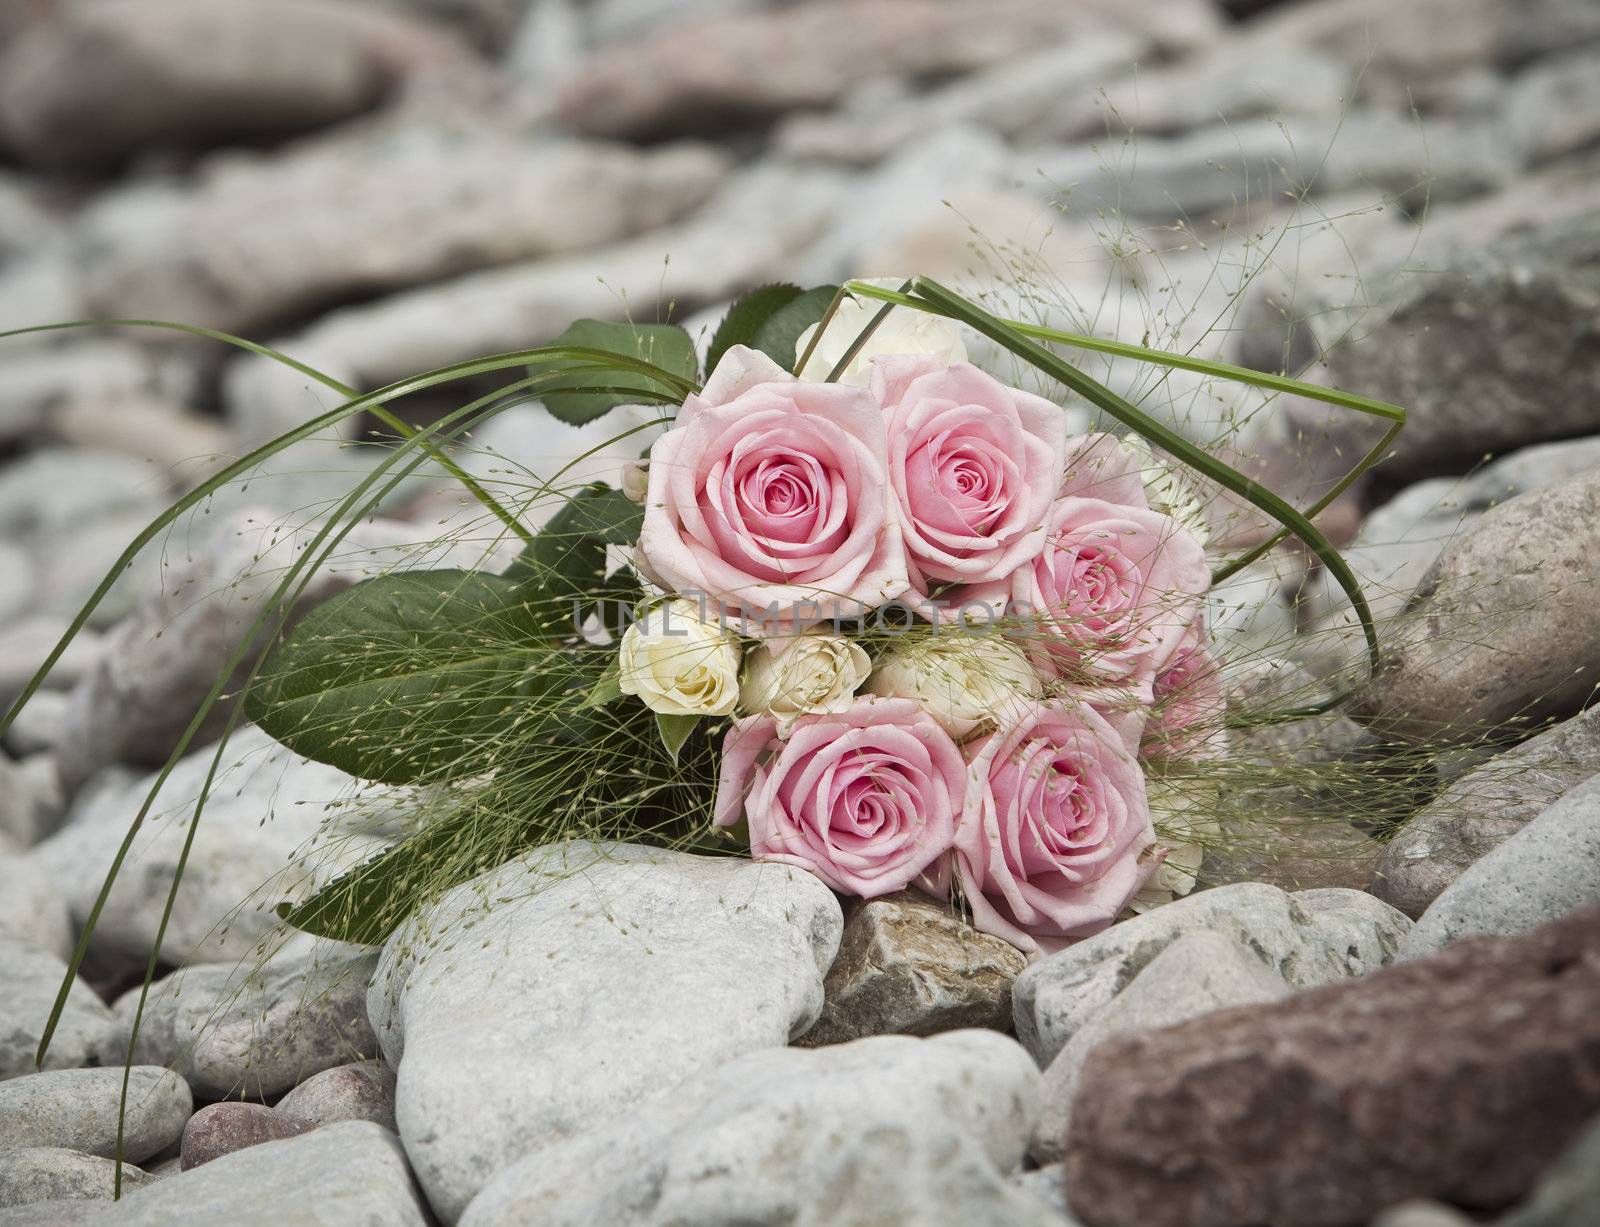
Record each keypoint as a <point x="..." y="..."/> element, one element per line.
<point x="861" y="607"/>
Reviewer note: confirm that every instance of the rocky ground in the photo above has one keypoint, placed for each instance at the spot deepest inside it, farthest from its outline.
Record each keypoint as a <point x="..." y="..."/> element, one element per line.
<point x="1348" y="1024"/>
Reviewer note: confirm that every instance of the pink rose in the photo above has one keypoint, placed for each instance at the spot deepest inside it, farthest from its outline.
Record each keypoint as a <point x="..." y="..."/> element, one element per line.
<point x="1055" y="825"/>
<point x="974" y="465"/>
<point x="770" y="497"/>
<point x="1188" y="701"/>
<point x="1113" y="591"/>
<point x="864" y="798"/>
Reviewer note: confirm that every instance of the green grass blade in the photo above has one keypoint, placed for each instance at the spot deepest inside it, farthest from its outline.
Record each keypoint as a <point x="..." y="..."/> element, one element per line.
<point x="1161" y="436"/>
<point x="1394" y="414"/>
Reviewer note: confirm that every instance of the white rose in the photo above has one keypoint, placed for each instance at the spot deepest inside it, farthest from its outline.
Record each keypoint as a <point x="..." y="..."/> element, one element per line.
<point x="903" y="331"/>
<point x="678" y="664"/>
<point x="1183" y="830"/>
<point x="964" y="681"/>
<point x="815" y="673"/>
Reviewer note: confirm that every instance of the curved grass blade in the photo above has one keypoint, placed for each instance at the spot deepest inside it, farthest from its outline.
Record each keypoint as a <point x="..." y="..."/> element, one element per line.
<point x="586" y="361"/>
<point x="1393" y="414"/>
<point x="1162" y="436"/>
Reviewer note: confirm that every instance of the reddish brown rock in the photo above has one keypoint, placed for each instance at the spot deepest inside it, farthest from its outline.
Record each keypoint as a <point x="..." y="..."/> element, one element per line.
<point x="1456" y="1077"/>
<point x="224" y="1128"/>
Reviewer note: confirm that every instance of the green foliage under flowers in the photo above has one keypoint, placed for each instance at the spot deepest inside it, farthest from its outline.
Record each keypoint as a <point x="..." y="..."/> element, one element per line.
<point x="743" y="323"/>
<point x="574" y="399"/>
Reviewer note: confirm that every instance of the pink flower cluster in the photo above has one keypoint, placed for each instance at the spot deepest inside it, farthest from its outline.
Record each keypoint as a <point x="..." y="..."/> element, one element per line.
<point x="775" y="494"/>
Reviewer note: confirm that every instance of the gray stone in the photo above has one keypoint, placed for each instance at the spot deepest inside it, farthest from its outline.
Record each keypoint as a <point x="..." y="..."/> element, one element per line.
<point x="570" y="985"/>
<point x="32" y="912"/>
<point x="31" y="798"/>
<point x="1421" y="1213"/>
<point x="1021" y="98"/>
<point x="16" y="570"/>
<point x="41" y="377"/>
<point x="750" y="68"/>
<point x="32" y="977"/>
<point x="264" y="809"/>
<point x="1311" y="938"/>
<point x="260" y="240"/>
<point x="40" y="726"/>
<point x="1568" y="1193"/>
<point x="51" y="1173"/>
<point x="751" y="232"/>
<point x="1544" y="871"/>
<point x="77" y="1109"/>
<point x="882" y="1130"/>
<point x="110" y="78"/>
<point x="257" y="1028"/>
<point x="161" y="663"/>
<point x="1489" y="648"/>
<point x="1200" y="972"/>
<point x="1554" y="107"/>
<point x="53" y="491"/>
<point x="1215" y="169"/>
<point x="910" y="966"/>
<point x="182" y="445"/>
<point x="1536" y="289"/>
<point x="352" y="1172"/>
<point x="25" y="644"/>
<point x="363" y="1090"/>
<point x="1480" y="810"/>
<point x="222" y="1128"/>
<point x="56" y="1212"/>
<point x="1047" y="1186"/>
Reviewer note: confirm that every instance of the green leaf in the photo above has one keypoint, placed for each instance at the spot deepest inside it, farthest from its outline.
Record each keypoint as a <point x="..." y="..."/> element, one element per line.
<point x="675" y="731"/>
<point x="742" y="325"/>
<point x="367" y="903"/>
<point x="607" y="690"/>
<point x="564" y="566"/>
<point x="664" y="345"/>
<point x="412" y="676"/>
<point x="779" y="335"/>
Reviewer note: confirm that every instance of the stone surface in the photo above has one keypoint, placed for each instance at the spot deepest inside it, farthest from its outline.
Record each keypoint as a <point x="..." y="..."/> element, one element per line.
<point x="1200" y="972"/>
<point x="38" y="379"/>
<point x="1544" y="871"/>
<point x="1310" y="938"/>
<point x="254" y="1028"/>
<point x="883" y="1130"/>
<point x="258" y="241"/>
<point x="363" y="1090"/>
<point x="116" y="76"/>
<point x="160" y="664"/>
<point x="32" y="977"/>
<point x="222" y="1128"/>
<point x="908" y="965"/>
<point x="1568" y="1193"/>
<point x="25" y="644"/>
<point x="265" y="807"/>
<point x="50" y="1173"/>
<point x="1554" y="108"/>
<point x="751" y="67"/>
<point x="753" y="231"/>
<point x="573" y="984"/>
<point x="353" y="1172"/>
<point x="31" y="909"/>
<point x="1477" y="812"/>
<point x="1482" y="644"/>
<point x="1537" y="291"/>
<point x="1327" y="1107"/>
<point x="77" y="1109"/>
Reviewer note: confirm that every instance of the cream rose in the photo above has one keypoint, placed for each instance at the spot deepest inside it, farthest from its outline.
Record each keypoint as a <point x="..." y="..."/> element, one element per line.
<point x="679" y="664"/>
<point x="810" y="674"/>
<point x="903" y="331"/>
<point x="965" y="682"/>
